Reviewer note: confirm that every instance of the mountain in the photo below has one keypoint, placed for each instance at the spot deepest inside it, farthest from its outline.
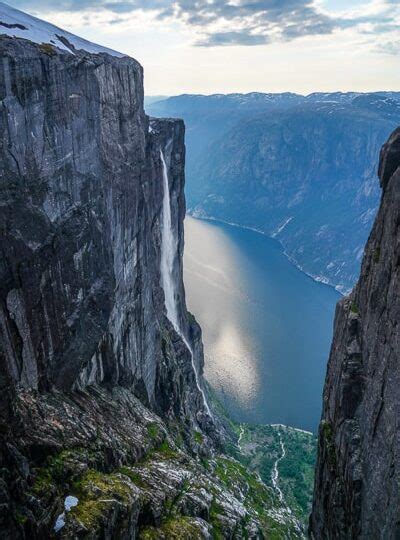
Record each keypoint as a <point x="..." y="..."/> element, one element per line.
<point x="149" y="100"/>
<point x="298" y="168"/>
<point x="106" y="427"/>
<point x="357" y="476"/>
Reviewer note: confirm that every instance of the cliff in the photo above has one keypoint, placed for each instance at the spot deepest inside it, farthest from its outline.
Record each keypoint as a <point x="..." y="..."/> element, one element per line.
<point x="81" y="300"/>
<point x="357" y="476"/>
<point x="105" y="429"/>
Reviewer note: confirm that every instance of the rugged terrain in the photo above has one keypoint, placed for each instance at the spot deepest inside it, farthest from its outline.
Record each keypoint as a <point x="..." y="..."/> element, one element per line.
<point x="284" y="457"/>
<point x="105" y="428"/>
<point x="357" y="476"/>
<point x="299" y="168"/>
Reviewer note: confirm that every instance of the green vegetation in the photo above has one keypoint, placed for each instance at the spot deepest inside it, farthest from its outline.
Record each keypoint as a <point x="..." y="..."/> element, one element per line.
<point x="57" y="469"/>
<point x="76" y="472"/>
<point x="133" y="476"/>
<point x="258" y="500"/>
<point x="153" y="429"/>
<point x="326" y="431"/>
<point x="165" y="451"/>
<point x="171" y="506"/>
<point x="376" y="255"/>
<point x="354" y="308"/>
<point x="327" y="434"/>
<point x="216" y="511"/>
<point x="296" y="471"/>
<point x="261" y="447"/>
<point x="198" y="437"/>
<point x="182" y="528"/>
<point x="95" y="490"/>
<point x="20" y="518"/>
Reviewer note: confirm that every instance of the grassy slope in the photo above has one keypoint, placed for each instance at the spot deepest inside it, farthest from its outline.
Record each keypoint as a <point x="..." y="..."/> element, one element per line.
<point x="259" y="449"/>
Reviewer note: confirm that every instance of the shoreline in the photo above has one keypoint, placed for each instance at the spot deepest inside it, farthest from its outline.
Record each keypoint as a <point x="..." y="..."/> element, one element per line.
<point x="317" y="279"/>
<point x="292" y="428"/>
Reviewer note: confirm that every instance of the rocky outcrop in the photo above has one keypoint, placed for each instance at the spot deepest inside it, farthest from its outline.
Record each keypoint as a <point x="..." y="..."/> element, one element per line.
<point x="357" y="478"/>
<point x="130" y="473"/>
<point x="81" y="304"/>
<point x="105" y="431"/>
<point x="81" y="180"/>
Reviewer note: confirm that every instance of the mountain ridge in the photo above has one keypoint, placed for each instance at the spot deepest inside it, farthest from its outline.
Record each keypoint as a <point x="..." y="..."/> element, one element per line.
<point x="254" y="166"/>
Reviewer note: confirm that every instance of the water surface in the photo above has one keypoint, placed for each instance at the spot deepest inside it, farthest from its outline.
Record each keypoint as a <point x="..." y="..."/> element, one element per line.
<point x="267" y="326"/>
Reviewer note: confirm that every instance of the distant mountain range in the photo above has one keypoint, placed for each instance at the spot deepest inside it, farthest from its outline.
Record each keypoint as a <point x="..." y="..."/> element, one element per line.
<point x="300" y="168"/>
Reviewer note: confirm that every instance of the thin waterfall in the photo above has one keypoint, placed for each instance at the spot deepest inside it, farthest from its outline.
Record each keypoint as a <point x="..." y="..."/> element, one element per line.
<point x="168" y="250"/>
<point x="169" y="246"/>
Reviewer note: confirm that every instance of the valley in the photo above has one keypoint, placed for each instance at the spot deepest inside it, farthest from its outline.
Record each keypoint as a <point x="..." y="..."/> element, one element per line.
<point x="299" y="168"/>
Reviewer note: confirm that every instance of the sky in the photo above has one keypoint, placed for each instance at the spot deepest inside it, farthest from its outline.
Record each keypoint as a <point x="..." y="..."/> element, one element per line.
<point x="223" y="46"/>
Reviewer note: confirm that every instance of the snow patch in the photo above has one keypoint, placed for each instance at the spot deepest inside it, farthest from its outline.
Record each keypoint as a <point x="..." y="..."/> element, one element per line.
<point x="15" y="23"/>
<point x="69" y="503"/>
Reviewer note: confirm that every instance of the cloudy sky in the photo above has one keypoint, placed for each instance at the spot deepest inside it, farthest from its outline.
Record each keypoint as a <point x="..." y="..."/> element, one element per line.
<point x="208" y="46"/>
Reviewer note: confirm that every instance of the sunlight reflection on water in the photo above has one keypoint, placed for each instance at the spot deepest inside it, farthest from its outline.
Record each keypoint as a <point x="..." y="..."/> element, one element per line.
<point x="230" y="360"/>
<point x="266" y="326"/>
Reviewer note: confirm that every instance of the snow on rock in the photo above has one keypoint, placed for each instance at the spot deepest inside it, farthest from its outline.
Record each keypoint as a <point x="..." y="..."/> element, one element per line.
<point x="69" y="503"/>
<point x="18" y="24"/>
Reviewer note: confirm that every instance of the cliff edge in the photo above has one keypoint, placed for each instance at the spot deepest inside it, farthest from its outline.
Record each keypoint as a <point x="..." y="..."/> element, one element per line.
<point x="357" y="478"/>
<point x="105" y="426"/>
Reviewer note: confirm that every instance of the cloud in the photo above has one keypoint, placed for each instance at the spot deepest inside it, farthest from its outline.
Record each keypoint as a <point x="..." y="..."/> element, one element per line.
<point x="239" y="22"/>
<point x="51" y="6"/>
<point x="231" y="38"/>
<point x="391" y="47"/>
<point x="119" y="7"/>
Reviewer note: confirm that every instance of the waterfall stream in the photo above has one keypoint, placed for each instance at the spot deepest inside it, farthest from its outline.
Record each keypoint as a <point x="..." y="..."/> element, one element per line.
<point x="169" y="244"/>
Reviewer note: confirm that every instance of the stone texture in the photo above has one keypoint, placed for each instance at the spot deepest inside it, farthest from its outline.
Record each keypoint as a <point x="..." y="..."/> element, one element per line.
<point x="128" y="469"/>
<point x="358" y="471"/>
<point x="81" y="178"/>
<point x="81" y="306"/>
<point x="98" y="393"/>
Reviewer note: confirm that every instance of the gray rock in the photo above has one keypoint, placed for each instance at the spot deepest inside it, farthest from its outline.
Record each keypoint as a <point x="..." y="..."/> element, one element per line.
<point x="81" y="301"/>
<point x="357" y="478"/>
<point x="81" y="305"/>
<point x="99" y="398"/>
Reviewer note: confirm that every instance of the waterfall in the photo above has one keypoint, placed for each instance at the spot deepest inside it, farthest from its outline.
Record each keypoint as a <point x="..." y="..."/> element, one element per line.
<point x="169" y="246"/>
<point x="168" y="249"/>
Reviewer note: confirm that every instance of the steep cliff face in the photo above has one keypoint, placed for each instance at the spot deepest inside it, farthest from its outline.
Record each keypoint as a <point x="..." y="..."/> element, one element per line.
<point x="105" y="431"/>
<point x="357" y="478"/>
<point x="81" y="301"/>
<point x="82" y="184"/>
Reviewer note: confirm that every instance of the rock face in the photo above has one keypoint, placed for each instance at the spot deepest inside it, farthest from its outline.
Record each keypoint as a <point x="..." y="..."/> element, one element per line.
<point x="81" y="202"/>
<point x="357" y="478"/>
<point x="81" y="181"/>
<point x="281" y="164"/>
<point x="104" y="428"/>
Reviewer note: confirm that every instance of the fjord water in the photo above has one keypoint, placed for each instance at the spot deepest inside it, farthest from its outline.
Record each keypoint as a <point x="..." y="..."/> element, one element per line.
<point x="267" y="326"/>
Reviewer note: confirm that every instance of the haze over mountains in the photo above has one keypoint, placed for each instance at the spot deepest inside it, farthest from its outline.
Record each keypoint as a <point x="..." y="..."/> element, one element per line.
<point x="299" y="168"/>
<point x="100" y="361"/>
<point x="107" y="428"/>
